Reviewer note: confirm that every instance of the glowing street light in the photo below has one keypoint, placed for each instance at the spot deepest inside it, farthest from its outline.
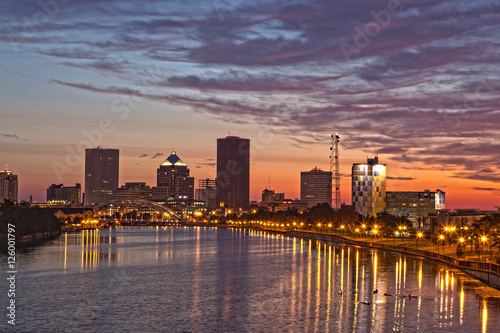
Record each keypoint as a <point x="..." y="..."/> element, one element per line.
<point x="374" y="233"/>
<point x="419" y="236"/>
<point x="441" y="238"/>
<point x="483" y="239"/>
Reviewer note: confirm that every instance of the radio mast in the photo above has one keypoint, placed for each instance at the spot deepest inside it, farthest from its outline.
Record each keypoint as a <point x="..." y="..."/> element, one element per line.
<point x="335" y="170"/>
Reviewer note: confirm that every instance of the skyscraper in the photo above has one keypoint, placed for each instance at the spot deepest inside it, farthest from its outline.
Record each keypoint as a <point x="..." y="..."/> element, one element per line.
<point x="316" y="187"/>
<point x="8" y="186"/>
<point x="173" y="177"/>
<point x="233" y="172"/>
<point x="101" y="174"/>
<point x="369" y="187"/>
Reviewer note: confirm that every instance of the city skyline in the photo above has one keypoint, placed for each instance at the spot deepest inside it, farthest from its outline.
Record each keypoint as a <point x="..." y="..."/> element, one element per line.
<point x="414" y="83"/>
<point x="346" y="197"/>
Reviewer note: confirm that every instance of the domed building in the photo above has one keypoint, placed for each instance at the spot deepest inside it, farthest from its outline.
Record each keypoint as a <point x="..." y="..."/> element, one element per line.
<point x="173" y="180"/>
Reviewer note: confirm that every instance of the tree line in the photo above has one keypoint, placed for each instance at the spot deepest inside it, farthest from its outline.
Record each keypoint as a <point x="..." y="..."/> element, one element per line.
<point x="323" y="215"/>
<point x="27" y="220"/>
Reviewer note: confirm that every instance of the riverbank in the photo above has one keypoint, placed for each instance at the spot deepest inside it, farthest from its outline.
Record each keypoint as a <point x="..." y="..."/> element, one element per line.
<point x="27" y="241"/>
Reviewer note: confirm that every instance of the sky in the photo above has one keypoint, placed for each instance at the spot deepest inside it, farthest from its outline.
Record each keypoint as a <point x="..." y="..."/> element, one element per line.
<point x="413" y="82"/>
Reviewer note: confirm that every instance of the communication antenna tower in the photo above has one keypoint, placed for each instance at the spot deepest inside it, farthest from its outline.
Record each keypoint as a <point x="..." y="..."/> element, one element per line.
<point x="335" y="170"/>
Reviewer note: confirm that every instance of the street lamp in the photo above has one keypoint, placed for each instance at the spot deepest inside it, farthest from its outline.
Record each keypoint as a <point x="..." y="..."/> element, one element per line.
<point x="419" y="235"/>
<point x="343" y="229"/>
<point x="441" y="238"/>
<point x="356" y="231"/>
<point x="461" y="241"/>
<point x="483" y="239"/>
<point x="374" y="233"/>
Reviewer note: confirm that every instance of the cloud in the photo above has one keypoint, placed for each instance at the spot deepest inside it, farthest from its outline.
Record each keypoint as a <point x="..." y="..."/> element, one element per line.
<point x="101" y="66"/>
<point x="156" y="155"/>
<point x="401" y="178"/>
<point x="494" y="191"/>
<point x="489" y="189"/>
<point x="207" y="164"/>
<point x="143" y="155"/>
<point x="13" y="137"/>
<point x="244" y="82"/>
<point x="420" y="89"/>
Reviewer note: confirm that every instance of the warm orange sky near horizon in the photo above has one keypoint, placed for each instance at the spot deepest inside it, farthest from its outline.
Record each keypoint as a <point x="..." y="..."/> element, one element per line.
<point x="274" y="157"/>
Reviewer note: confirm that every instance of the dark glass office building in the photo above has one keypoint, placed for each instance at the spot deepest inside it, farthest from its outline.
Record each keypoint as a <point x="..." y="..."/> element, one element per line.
<point x="233" y="173"/>
<point x="101" y="174"/>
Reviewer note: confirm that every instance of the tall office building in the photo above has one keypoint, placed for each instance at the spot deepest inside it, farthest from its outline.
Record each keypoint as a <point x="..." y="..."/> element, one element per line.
<point x="316" y="187"/>
<point x="65" y="194"/>
<point x="173" y="177"/>
<point x="101" y="174"/>
<point x="233" y="172"/>
<point x="369" y="187"/>
<point x="207" y="192"/>
<point x="8" y="186"/>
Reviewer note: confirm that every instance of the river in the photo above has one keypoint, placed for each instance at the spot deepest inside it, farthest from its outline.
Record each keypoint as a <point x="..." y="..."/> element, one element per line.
<point x="195" y="279"/>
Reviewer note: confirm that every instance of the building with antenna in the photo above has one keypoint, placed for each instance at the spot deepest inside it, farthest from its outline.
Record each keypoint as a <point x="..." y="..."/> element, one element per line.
<point x="369" y="187"/>
<point x="8" y="186"/>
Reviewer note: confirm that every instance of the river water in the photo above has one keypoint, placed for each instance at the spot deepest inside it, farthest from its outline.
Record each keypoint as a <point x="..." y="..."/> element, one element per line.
<point x="180" y="279"/>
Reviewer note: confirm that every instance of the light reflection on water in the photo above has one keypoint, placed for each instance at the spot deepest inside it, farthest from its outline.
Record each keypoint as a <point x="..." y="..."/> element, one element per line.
<point x="230" y="280"/>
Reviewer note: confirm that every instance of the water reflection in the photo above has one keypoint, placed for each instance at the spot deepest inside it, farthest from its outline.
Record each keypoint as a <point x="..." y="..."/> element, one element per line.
<point x="231" y="280"/>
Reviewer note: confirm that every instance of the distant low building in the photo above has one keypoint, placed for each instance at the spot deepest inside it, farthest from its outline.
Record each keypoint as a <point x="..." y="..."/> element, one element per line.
<point x="281" y="205"/>
<point x="459" y="218"/>
<point x="61" y="194"/>
<point x="207" y="193"/>
<point x="270" y="195"/>
<point x="185" y="207"/>
<point x="132" y="191"/>
<point x="414" y="205"/>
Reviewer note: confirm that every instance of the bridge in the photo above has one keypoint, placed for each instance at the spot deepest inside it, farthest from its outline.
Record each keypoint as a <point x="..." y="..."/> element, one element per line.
<point x="140" y="207"/>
